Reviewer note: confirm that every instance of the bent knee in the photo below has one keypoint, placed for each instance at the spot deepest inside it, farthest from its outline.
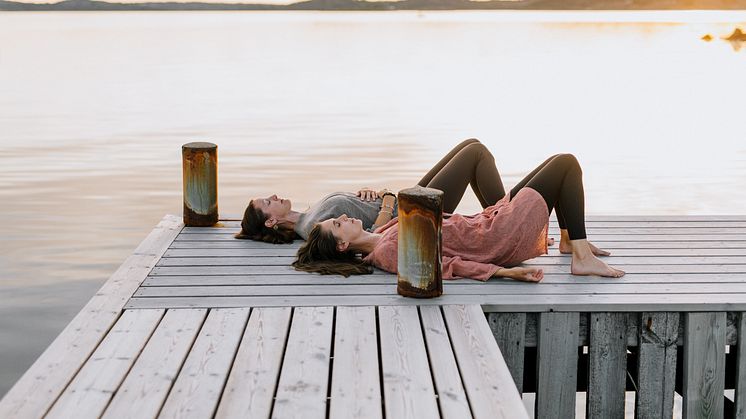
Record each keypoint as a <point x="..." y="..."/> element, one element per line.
<point x="480" y="150"/>
<point x="568" y="159"/>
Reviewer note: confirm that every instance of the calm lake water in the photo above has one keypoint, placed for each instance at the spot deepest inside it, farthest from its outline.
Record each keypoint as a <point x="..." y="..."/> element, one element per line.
<point x="94" y="107"/>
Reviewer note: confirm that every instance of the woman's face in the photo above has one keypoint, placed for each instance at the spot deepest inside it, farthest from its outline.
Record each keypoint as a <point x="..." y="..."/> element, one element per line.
<point x="272" y="206"/>
<point x="343" y="228"/>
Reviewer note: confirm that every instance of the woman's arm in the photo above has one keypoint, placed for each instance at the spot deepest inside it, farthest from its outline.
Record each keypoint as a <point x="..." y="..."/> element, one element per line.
<point x="387" y="209"/>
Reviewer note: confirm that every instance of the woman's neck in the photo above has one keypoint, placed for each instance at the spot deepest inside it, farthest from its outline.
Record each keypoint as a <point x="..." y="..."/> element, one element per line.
<point x="366" y="242"/>
<point x="291" y="219"/>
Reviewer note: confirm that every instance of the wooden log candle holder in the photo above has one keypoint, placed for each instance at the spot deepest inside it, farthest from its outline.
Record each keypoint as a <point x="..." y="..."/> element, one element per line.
<point x="200" y="164"/>
<point x="420" y="242"/>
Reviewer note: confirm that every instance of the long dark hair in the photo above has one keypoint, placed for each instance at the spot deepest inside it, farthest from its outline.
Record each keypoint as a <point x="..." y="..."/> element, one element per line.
<point x="319" y="254"/>
<point x="253" y="228"/>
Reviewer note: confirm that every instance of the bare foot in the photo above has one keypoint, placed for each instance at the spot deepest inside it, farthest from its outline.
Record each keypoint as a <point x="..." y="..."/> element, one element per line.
<point x="592" y="265"/>
<point x="566" y="248"/>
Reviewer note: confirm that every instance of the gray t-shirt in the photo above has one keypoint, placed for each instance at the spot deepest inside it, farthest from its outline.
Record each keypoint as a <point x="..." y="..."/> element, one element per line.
<point x="336" y="204"/>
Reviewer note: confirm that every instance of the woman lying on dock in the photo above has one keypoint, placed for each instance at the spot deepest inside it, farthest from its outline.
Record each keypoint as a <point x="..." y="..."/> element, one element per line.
<point x="488" y="244"/>
<point x="272" y="220"/>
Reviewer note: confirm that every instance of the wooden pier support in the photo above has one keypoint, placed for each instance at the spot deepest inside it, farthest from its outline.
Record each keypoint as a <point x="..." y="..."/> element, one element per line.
<point x="607" y="372"/>
<point x="557" y="365"/>
<point x="704" y="365"/>
<point x="420" y="244"/>
<point x="656" y="364"/>
<point x="200" y="174"/>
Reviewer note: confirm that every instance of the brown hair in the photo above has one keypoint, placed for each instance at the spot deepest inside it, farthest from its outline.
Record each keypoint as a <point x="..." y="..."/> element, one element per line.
<point x="253" y="228"/>
<point x="319" y="254"/>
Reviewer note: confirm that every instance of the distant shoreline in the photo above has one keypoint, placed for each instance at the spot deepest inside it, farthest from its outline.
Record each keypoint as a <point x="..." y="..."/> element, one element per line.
<point x="362" y="5"/>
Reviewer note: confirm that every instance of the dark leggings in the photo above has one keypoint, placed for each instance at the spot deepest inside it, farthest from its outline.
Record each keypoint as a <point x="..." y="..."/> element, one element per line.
<point x="558" y="180"/>
<point x="469" y="163"/>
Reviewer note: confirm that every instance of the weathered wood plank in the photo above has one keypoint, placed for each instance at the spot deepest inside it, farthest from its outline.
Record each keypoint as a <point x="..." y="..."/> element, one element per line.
<point x="704" y="365"/>
<point x="607" y="372"/>
<point x="548" y="269"/>
<point x="355" y="386"/>
<point x="488" y="383"/>
<point x="701" y="236"/>
<point x="553" y="252"/>
<point x="509" y="330"/>
<point x="451" y="287"/>
<point x="557" y="365"/>
<point x="35" y="392"/>
<point x="231" y="270"/>
<point x="446" y="376"/>
<point x="198" y="387"/>
<point x="656" y="364"/>
<point x="233" y="252"/>
<point x="250" y="388"/>
<point x="235" y="226"/>
<point x="490" y="303"/>
<point x="610" y="245"/>
<point x="407" y="385"/>
<point x="311" y="279"/>
<point x="676" y="231"/>
<point x="91" y="389"/>
<point x="302" y="389"/>
<point x="146" y="386"/>
<point x="544" y="260"/>
<point x="591" y="229"/>
<point x="740" y="387"/>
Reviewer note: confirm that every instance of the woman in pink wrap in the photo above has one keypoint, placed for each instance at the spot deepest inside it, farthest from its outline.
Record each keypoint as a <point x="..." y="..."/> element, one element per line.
<point x="489" y="244"/>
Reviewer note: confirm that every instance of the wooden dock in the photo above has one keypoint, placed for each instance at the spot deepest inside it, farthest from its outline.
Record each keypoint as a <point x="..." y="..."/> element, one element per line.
<point x="198" y="324"/>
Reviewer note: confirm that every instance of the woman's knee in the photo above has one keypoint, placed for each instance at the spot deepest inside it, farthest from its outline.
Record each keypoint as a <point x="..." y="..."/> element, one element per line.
<point x="567" y="160"/>
<point x="467" y="142"/>
<point x="479" y="150"/>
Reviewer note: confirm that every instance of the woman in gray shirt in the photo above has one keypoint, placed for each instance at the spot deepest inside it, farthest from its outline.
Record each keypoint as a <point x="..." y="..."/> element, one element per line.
<point x="272" y="220"/>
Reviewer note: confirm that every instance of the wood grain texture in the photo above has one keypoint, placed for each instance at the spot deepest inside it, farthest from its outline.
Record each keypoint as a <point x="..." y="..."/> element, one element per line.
<point x="355" y="387"/>
<point x="740" y="387"/>
<point x="704" y="365"/>
<point x="489" y="302"/>
<point x="90" y="391"/>
<point x="407" y="384"/>
<point x="607" y="371"/>
<point x="38" y="388"/>
<point x="509" y="330"/>
<point x="553" y="279"/>
<point x="548" y="269"/>
<point x="691" y="244"/>
<point x="250" y="388"/>
<point x="446" y="376"/>
<point x="146" y="386"/>
<point x="563" y="260"/>
<point x="656" y="364"/>
<point x="603" y="237"/>
<point x="453" y="288"/>
<point x="304" y="379"/>
<point x="199" y="386"/>
<point x="557" y="365"/>
<point x="488" y="383"/>
<point x="554" y="252"/>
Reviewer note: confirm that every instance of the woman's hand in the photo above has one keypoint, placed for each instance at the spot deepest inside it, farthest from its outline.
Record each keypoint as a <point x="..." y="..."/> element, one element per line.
<point x="367" y="194"/>
<point x="521" y="274"/>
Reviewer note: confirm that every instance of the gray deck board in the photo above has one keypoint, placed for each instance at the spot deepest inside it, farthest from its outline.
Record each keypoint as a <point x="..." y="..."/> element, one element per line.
<point x="490" y="303"/>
